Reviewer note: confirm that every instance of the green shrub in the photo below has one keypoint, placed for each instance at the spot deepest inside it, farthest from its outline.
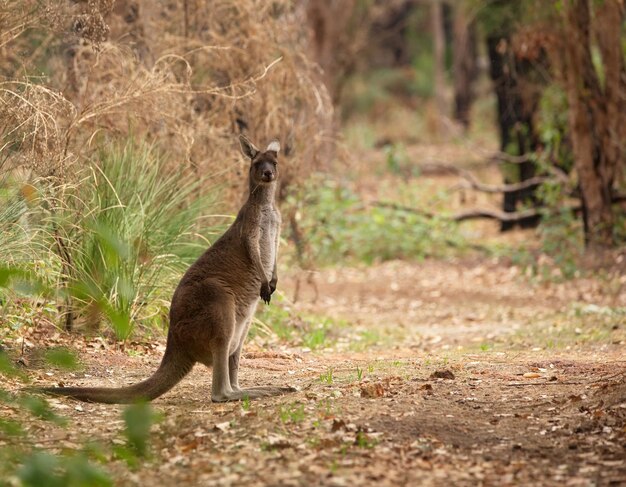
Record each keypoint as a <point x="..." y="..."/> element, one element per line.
<point x="282" y="322"/>
<point x="340" y="228"/>
<point x="129" y="228"/>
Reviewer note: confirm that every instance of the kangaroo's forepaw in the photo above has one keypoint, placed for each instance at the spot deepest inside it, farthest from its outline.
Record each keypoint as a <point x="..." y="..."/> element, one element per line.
<point x="266" y="292"/>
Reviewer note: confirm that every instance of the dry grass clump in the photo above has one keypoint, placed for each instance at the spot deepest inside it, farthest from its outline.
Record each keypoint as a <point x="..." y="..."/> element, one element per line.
<point x="30" y="133"/>
<point x="186" y="75"/>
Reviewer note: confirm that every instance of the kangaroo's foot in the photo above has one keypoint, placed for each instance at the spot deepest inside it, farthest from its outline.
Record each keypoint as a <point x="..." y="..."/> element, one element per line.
<point x="251" y="393"/>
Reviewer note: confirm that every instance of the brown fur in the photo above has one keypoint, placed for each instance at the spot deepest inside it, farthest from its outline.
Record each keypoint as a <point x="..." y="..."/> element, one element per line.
<point x="215" y="300"/>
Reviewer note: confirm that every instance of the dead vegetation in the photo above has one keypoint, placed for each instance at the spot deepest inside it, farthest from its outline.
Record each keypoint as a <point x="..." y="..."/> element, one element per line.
<point x="186" y="76"/>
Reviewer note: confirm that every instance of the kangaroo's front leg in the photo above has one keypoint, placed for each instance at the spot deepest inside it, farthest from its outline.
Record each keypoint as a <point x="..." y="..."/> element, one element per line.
<point x="274" y="279"/>
<point x="251" y="243"/>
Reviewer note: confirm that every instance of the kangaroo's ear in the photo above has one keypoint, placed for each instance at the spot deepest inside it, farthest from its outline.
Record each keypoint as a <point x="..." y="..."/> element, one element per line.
<point x="273" y="146"/>
<point x="247" y="147"/>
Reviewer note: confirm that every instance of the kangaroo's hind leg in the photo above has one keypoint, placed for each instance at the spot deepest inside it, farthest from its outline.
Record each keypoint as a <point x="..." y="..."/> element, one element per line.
<point x="233" y="370"/>
<point x="224" y="377"/>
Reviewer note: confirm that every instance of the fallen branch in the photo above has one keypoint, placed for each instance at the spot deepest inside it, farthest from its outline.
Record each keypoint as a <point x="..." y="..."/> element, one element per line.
<point x="474" y="183"/>
<point x="504" y="158"/>
<point x="477" y="213"/>
<point x="501" y="216"/>
<point x="466" y="215"/>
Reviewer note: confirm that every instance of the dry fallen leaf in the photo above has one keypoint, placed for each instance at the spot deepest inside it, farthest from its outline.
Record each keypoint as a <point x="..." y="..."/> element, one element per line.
<point x="225" y="426"/>
<point x="277" y="441"/>
<point x="337" y="425"/>
<point x="442" y="374"/>
<point x="372" y="390"/>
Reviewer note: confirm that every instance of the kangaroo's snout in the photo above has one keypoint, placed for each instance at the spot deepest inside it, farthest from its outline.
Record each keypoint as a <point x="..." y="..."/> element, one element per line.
<point x="268" y="175"/>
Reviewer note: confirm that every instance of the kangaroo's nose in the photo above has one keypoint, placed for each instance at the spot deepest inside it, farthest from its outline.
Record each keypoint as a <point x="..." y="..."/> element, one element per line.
<point x="268" y="174"/>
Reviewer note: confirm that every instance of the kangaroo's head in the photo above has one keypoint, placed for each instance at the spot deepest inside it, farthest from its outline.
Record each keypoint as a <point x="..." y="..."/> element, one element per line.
<point x="263" y="165"/>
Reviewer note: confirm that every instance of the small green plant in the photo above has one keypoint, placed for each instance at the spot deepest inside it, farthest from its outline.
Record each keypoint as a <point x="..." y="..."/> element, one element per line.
<point x="282" y="321"/>
<point x="398" y="161"/>
<point x="325" y="409"/>
<point x="359" y="373"/>
<point x="366" y="339"/>
<point x="327" y="377"/>
<point x="362" y="440"/>
<point x="316" y="338"/>
<point x="277" y="319"/>
<point x="370" y="368"/>
<point x="485" y="347"/>
<point x="245" y="403"/>
<point x="293" y="413"/>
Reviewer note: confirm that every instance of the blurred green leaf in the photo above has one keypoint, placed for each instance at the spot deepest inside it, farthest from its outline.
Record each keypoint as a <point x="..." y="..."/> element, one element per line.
<point x="39" y="470"/>
<point x="61" y="357"/>
<point x="8" y="369"/>
<point x="126" y="454"/>
<point x="117" y="248"/>
<point x="6" y="273"/>
<point x="81" y="472"/>
<point x="120" y="319"/>
<point x="22" y="281"/>
<point x="40" y="408"/>
<point x="138" y="419"/>
<point x="45" y="470"/>
<point x="11" y="428"/>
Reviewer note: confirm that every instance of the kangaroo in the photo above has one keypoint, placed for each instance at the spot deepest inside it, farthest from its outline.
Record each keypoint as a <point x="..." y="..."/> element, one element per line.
<point x="215" y="301"/>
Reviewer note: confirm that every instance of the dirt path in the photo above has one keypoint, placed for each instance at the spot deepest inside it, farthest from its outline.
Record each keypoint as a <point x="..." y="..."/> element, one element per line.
<point x="458" y="373"/>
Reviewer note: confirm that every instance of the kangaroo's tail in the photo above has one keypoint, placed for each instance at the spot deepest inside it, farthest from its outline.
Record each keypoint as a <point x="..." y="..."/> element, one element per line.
<point x="174" y="366"/>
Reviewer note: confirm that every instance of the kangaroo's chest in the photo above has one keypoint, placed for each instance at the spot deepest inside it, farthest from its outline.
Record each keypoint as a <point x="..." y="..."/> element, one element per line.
<point x="270" y="229"/>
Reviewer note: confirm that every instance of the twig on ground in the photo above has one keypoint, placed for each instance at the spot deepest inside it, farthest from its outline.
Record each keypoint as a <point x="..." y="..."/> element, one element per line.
<point x="552" y="383"/>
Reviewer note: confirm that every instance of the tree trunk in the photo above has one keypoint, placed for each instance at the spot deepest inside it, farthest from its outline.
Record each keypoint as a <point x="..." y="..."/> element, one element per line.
<point x="517" y="134"/>
<point x="465" y="64"/>
<point x="332" y="42"/>
<point x="596" y="112"/>
<point x="439" y="53"/>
